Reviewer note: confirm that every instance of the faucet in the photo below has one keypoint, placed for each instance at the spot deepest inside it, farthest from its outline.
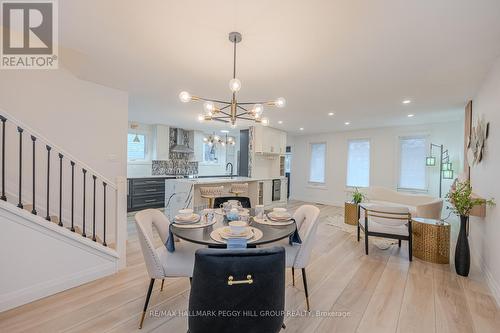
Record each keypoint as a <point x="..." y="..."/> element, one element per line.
<point x="230" y="164"/>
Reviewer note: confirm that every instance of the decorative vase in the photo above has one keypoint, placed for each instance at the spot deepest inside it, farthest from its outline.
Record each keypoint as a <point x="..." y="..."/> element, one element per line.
<point x="462" y="251"/>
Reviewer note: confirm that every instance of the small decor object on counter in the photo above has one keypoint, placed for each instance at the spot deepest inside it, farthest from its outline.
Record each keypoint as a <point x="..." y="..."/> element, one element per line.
<point x="460" y="196"/>
<point x="351" y="208"/>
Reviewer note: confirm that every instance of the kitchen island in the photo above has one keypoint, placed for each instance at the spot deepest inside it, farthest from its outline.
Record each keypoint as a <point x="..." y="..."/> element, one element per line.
<point x="185" y="193"/>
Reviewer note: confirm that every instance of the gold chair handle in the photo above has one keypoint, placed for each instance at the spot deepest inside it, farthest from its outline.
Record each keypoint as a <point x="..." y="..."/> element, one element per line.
<point x="231" y="281"/>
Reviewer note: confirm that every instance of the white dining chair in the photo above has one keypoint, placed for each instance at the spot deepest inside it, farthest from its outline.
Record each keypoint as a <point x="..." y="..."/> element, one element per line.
<point x="159" y="262"/>
<point x="298" y="255"/>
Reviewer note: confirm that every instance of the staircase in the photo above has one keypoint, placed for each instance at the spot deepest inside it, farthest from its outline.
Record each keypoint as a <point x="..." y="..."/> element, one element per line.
<point x="51" y="199"/>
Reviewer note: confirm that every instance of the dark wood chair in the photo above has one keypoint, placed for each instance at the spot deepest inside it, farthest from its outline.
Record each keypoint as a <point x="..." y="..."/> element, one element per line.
<point x="387" y="222"/>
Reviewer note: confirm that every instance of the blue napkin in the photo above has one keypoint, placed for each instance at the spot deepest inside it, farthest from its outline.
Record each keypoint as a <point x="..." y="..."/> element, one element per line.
<point x="237" y="243"/>
<point x="170" y="244"/>
<point x="295" y="237"/>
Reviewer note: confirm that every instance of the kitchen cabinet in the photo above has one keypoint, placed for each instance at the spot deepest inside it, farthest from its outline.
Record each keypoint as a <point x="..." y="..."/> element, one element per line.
<point x="268" y="140"/>
<point x="145" y="193"/>
<point x="267" y="195"/>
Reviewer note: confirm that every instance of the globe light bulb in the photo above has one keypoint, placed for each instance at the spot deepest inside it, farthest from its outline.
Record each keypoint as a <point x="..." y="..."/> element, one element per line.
<point x="235" y="85"/>
<point x="209" y="106"/>
<point x="201" y="117"/>
<point x="185" y="97"/>
<point x="280" y="102"/>
<point x="258" y="109"/>
<point x="233" y="125"/>
<point x="265" y="121"/>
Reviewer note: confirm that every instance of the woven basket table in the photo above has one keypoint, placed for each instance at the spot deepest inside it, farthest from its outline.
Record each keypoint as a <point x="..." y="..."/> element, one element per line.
<point x="351" y="213"/>
<point x="431" y="240"/>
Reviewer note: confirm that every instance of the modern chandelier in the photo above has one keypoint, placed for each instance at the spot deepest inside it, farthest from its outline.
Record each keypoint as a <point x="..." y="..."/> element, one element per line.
<point x="228" y="112"/>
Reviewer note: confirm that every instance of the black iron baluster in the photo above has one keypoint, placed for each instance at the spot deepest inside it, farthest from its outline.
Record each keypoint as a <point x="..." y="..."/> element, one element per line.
<point x="72" y="196"/>
<point x="33" y="139"/>
<point x="3" y="197"/>
<point x="48" y="182"/>
<point x="84" y="190"/>
<point x="93" y="216"/>
<point x="20" y="130"/>
<point x="60" y="189"/>
<point x="104" y="219"/>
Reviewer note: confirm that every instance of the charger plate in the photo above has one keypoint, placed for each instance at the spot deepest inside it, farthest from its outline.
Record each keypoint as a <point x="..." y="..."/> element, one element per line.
<point x="216" y="236"/>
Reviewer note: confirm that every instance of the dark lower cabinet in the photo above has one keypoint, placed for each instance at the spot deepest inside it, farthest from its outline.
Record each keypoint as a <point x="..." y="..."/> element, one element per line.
<point x="146" y="193"/>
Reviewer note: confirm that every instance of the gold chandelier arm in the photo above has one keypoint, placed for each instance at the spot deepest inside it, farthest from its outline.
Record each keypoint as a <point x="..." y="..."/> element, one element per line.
<point x="272" y="103"/>
<point x="197" y="98"/>
<point x="242" y="108"/>
<point x="244" y="118"/>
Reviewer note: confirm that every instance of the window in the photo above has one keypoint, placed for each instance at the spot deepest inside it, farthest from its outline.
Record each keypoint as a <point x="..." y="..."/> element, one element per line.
<point x="210" y="153"/>
<point x="318" y="161"/>
<point x="358" y="163"/>
<point x="136" y="147"/>
<point x="412" y="170"/>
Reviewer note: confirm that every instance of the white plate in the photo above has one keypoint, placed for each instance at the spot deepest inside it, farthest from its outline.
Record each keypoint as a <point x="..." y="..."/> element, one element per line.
<point x="195" y="218"/>
<point x="271" y="222"/>
<point x="257" y="234"/>
<point x="276" y="218"/>
<point x="195" y="225"/>
<point x="225" y="232"/>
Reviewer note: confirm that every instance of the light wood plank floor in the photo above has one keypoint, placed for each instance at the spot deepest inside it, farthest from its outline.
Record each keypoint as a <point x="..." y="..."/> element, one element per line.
<point x="381" y="292"/>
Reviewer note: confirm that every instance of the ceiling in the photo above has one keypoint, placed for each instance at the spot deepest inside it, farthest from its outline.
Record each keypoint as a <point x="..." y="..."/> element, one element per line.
<point x="357" y="58"/>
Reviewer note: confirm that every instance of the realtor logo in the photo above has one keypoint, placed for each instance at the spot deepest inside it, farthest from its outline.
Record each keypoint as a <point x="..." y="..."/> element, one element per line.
<point x="29" y="35"/>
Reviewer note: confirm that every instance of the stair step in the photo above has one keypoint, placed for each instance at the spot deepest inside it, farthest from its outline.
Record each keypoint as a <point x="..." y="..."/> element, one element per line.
<point x="29" y="208"/>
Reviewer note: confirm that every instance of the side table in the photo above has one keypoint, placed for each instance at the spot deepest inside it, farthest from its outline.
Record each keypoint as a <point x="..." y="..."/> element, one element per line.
<point x="431" y="240"/>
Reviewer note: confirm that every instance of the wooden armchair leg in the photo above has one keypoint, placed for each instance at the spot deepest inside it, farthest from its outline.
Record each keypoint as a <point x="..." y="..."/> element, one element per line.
<point x="305" y="287"/>
<point x="162" y="282"/>
<point x="366" y="243"/>
<point x="293" y="276"/>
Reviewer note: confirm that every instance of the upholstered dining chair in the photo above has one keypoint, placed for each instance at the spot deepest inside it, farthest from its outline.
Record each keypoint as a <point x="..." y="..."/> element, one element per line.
<point x="245" y="201"/>
<point x="238" y="291"/>
<point x="161" y="263"/>
<point x="392" y="222"/>
<point x="298" y="255"/>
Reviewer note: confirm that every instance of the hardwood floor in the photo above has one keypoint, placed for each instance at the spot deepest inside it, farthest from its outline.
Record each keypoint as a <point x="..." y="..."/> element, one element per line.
<point x="349" y="292"/>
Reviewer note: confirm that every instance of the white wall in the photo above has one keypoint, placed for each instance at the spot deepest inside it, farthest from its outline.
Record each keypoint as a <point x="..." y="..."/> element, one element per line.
<point x="384" y="168"/>
<point x="484" y="233"/>
<point x="86" y="119"/>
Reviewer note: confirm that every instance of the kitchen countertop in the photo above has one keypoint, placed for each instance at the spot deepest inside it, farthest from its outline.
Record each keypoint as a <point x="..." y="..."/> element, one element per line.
<point x="219" y="180"/>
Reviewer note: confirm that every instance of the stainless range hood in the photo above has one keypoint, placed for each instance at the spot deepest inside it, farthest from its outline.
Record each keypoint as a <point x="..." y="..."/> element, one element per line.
<point x="180" y="146"/>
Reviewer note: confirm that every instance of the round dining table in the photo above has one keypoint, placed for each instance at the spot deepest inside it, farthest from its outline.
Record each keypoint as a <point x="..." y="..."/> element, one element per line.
<point x="201" y="235"/>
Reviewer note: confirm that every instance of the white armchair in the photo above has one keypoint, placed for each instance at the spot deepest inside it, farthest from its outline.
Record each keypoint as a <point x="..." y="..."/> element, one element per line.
<point x="159" y="262"/>
<point x="298" y="255"/>
<point x="385" y="221"/>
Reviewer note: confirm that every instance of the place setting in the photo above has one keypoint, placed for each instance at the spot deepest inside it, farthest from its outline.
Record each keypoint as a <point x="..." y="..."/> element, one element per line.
<point x="277" y="217"/>
<point x="187" y="219"/>
<point x="237" y="232"/>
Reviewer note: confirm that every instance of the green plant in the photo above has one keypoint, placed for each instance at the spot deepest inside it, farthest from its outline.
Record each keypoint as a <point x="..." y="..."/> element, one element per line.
<point x="460" y="196"/>
<point x="357" y="196"/>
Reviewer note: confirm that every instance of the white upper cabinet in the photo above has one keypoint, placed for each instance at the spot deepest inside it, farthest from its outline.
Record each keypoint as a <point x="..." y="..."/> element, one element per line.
<point x="268" y="140"/>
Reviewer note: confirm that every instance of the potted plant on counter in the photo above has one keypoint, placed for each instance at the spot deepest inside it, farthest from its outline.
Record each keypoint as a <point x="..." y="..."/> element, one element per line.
<point x="351" y="207"/>
<point x="462" y="201"/>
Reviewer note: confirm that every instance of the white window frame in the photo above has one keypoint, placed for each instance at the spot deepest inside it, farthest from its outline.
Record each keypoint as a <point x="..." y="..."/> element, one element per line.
<point x="312" y="183"/>
<point x="369" y="162"/>
<point x="398" y="161"/>
<point x="146" y="148"/>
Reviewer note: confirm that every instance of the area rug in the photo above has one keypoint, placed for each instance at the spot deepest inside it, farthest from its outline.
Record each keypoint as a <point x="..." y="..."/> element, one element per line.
<point x="337" y="221"/>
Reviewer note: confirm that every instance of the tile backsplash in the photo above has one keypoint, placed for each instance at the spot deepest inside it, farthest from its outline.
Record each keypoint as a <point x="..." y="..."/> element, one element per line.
<point x="174" y="167"/>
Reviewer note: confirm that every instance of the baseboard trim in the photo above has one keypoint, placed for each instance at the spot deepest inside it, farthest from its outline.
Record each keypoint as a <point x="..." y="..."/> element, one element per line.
<point x="51" y="287"/>
<point x="490" y="281"/>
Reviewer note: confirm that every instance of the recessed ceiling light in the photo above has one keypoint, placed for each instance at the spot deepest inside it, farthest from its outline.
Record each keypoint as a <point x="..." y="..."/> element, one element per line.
<point x="331" y="114"/>
<point x="280" y="121"/>
<point x="224" y="131"/>
<point x="302" y="128"/>
<point x="411" y="115"/>
<point x="347" y="123"/>
<point x="406" y="101"/>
